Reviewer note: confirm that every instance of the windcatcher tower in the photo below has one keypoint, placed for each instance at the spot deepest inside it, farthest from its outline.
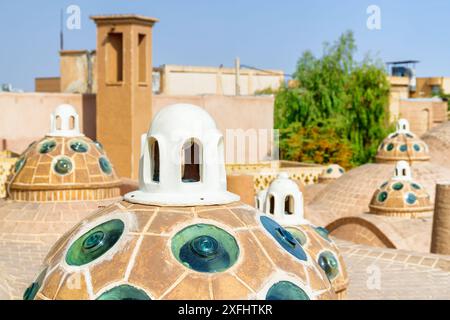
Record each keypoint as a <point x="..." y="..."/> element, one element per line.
<point x="124" y="95"/>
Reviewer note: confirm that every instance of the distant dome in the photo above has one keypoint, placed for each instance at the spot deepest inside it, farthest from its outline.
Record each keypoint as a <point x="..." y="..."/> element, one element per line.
<point x="331" y="172"/>
<point x="56" y="182"/>
<point x="351" y="194"/>
<point x="283" y="201"/>
<point x="402" y="145"/>
<point x="401" y="196"/>
<point x="63" y="166"/>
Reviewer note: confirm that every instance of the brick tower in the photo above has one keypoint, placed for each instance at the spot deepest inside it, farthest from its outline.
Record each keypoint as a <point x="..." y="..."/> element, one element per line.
<point x="124" y="71"/>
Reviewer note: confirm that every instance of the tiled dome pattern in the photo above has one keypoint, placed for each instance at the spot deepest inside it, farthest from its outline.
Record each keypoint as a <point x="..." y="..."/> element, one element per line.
<point x="401" y="199"/>
<point x="62" y="169"/>
<point x="141" y="263"/>
<point x="320" y="246"/>
<point x="402" y="146"/>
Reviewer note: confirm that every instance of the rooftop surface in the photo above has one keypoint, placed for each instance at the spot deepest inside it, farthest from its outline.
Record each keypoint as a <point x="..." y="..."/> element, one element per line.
<point x="378" y="273"/>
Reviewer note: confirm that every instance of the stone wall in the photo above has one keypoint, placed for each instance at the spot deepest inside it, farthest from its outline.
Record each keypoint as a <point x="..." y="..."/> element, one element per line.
<point x="25" y="117"/>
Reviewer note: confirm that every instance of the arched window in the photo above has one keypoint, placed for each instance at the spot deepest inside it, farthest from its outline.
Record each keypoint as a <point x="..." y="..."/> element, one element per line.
<point x="58" y="123"/>
<point x="154" y="159"/>
<point x="289" y="205"/>
<point x="191" y="166"/>
<point x="271" y="204"/>
<point x="221" y="162"/>
<point x="71" y="123"/>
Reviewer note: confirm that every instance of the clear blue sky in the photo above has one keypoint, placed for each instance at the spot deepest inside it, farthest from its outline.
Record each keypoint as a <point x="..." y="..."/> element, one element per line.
<point x="265" y="34"/>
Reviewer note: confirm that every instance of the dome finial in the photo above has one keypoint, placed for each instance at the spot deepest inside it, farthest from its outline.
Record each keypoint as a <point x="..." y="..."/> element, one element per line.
<point x="64" y="122"/>
<point x="182" y="160"/>
<point x="402" y="171"/>
<point x="403" y="126"/>
<point x="283" y="201"/>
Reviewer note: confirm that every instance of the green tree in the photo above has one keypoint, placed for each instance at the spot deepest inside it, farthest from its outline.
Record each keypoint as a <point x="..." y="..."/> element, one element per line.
<point x="338" y="93"/>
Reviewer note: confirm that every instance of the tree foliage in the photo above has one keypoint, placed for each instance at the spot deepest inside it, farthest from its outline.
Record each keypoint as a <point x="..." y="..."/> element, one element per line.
<point x="343" y="98"/>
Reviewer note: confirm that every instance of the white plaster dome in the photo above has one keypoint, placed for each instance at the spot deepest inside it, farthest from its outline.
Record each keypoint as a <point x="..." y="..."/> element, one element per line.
<point x="182" y="118"/>
<point x="182" y="160"/>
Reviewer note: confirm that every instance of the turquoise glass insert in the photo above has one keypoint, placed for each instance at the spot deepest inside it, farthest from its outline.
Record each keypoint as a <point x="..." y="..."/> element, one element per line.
<point x="63" y="166"/>
<point x="79" y="146"/>
<point x="410" y="198"/>
<point x="417" y="147"/>
<point x="19" y="164"/>
<point x="95" y="243"/>
<point x="403" y="148"/>
<point x="286" y="290"/>
<point x="47" y="146"/>
<point x="33" y="289"/>
<point x="298" y="234"/>
<point x="415" y="186"/>
<point x="329" y="170"/>
<point x="390" y="147"/>
<point x="205" y="248"/>
<point x="98" y="145"/>
<point x="324" y="233"/>
<point x="329" y="264"/>
<point x="284" y="238"/>
<point x="105" y="165"/>
<point x="397" y="186"/>
<point x="124" y="292"/>
<point x="382" y="196"/>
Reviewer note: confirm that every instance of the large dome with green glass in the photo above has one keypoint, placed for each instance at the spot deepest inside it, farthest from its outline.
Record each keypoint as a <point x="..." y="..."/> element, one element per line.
<point x="134" y="251"/>
<point x="182" y="235"/>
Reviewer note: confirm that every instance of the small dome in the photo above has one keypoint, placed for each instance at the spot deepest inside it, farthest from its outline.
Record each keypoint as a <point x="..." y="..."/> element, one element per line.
<point x="283" y="201"/>
<point x="402" y="145"/>
<point x="331" y="172"/>
<point x="182" y="160"/>
<point x="62" y="167"/>
<point x="401" y="196"/>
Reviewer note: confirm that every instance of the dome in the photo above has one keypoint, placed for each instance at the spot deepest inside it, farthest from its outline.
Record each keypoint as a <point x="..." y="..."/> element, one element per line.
<point x="62" y="167"/>
<point x="401" y="196"/>
<point x="402" y="145"/>
<point x="143" y="248"/>
<point x="283" y="201"/>
<point x="182" y="160"/>
<point x="351" y="194"/>
<point x="182" y="120"/>
<point x="133" y="251"/>
<point x="331" y="172"/>
<point x="56" y="182"/>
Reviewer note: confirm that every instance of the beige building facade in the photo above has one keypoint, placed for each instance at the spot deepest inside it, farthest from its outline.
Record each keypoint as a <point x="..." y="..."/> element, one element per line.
<point x="423" y="114"/>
